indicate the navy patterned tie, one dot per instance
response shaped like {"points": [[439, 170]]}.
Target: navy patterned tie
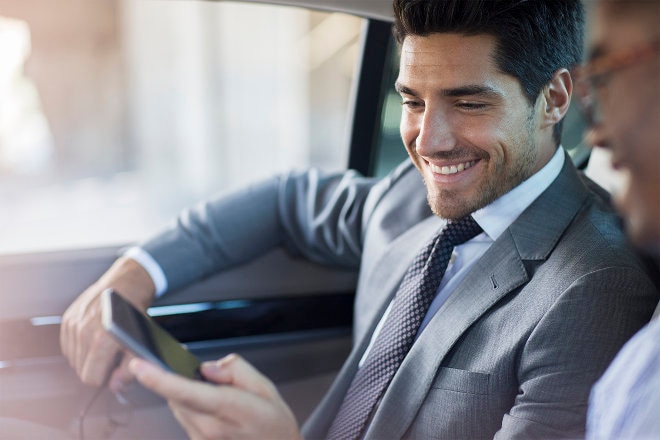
{"points": [[409, 306]]}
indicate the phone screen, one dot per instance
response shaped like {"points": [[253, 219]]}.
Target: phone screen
{"points": [[146, 339]]}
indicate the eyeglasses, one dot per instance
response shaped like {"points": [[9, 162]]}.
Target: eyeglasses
{"points": [[595, 75]]}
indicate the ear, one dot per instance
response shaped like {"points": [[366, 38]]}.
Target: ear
{"points": [[557, 98]]}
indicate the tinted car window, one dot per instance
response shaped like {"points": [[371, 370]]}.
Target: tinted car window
{"points": [[116, 114]]}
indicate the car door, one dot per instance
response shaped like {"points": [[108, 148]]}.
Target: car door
{"points": [[136, 110]]}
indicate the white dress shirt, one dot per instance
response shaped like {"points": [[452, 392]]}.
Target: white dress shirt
{"points": [[144, 259], [625, 402]]}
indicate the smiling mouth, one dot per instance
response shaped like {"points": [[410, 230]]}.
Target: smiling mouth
{"points": [[451, 169]]}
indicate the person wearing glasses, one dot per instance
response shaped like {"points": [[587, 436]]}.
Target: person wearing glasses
{"points": [[619, 90]]}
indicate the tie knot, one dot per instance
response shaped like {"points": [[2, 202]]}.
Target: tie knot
{"points": [[459, 231]]}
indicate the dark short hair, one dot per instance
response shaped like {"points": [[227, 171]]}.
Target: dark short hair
{"points": [[535, 38]]}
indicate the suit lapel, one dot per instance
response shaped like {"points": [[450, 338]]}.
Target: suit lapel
{"points": [[381, 284], [500, 270], [539, 228]]}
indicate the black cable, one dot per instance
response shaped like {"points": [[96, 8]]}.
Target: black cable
{"points": [[85, 410], [112, 422]]}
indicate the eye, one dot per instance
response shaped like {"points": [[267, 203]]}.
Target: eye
{"points": [[471, 105], [412, 104], [599, 80]]}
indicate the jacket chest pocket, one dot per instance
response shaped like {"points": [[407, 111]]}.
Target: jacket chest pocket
{"points": [[458, 406], [461, 381]]}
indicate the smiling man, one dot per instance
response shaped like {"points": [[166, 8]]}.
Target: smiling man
{"points": [[621, 90], [468, 127], [490, 272]]}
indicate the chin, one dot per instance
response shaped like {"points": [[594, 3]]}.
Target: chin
{"points": [[645, 235], [448, 209], [642, 221]]}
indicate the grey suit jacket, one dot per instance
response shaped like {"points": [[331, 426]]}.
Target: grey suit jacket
{"points": [[513, 351]]}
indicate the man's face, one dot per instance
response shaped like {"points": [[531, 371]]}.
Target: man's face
{"points": [[630, 115], [467, 127]]}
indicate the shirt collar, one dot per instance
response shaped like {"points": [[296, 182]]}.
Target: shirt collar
{"points": [[496, 217]]}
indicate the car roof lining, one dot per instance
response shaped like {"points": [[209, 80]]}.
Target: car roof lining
{"points": [[375, 9]]}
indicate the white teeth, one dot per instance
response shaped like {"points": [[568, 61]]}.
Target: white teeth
{"points": [[452, 169]]}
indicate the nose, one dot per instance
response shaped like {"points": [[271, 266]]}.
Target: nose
{"points": [[596, 136], [435, 133]]}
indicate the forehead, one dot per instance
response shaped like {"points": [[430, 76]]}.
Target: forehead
{"points": [[614, 25], [447, 51], [440, 62]]}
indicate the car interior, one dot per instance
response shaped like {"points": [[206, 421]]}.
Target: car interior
{"points": [[138, 102]]}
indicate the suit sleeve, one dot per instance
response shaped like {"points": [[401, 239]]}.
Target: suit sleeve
{"points": [[310, 214], [571, 347]]}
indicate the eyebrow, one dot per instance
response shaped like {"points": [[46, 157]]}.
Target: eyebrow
{"points": [[596, 52], [468, 90]]}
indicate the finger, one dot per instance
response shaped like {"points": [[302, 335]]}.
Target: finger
{"points": [[84, 318], [67, 330], [95, 349], [79, 340], [65, 336], [122, 375], [198, 425], [172, 387], [99, 359], [224, 401], [244, 415], [236, 371], [216, 410]]}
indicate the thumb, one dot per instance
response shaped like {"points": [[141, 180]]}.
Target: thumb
{"points": [[122, 375], [236, 371]]}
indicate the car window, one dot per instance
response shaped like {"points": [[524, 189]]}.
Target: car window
{"points": [[114, 115], [389, 151]]}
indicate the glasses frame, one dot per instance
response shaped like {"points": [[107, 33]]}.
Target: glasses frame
{"points": [[595, 74]]}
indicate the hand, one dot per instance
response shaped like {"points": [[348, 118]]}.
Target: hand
{"points": [[91, 351], [243, 404]]}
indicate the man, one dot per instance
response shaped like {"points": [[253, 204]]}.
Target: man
{"points": [[624, 46], [507, 339], [621, 92]]}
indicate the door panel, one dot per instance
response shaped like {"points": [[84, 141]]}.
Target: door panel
{"points": [[36, 383], [163, 142]]}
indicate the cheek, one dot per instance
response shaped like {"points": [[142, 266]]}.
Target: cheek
{"points": [[623, 123], [408, 131], [487, 137], [642, 215], [623, 110], [645, 178]]}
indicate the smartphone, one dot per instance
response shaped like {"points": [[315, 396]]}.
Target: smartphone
{"points": [[143, 337]]}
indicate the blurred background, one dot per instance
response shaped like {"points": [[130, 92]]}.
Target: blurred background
{"points": [[115, 114]]}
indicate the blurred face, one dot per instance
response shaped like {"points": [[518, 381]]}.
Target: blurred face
{"points": [[629, 101], [467, 127]]}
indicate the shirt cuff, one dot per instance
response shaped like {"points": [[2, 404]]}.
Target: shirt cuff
{"points": [[144, 259]]}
